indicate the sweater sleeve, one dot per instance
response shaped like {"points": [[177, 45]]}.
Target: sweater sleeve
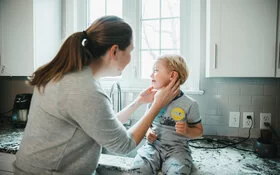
{"points": [[93, 114]]}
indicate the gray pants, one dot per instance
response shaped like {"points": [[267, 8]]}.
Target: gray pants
{"points": [[170, 159]]}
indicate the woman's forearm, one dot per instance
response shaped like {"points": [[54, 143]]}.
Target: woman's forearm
{"points": [[144, 97], [139, 130], [126, 113]]}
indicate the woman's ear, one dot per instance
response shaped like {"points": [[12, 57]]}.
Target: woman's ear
{"points": [[113, 50]]}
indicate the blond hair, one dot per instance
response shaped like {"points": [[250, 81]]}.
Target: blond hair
{"points": [[176, 63]]}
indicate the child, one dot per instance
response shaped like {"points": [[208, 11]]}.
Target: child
{"points": [[166, 148]]}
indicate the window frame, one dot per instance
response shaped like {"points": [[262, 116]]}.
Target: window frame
{"points": [[131, 79]]}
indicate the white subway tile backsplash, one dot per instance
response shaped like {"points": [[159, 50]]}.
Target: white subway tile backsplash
{"points": [[223, 99], [228, 89], [244, 132], [241, 100], [224, 109], [210, 86], [210, 130], [209, 105], [250, 90], [270, 90], [226, 131], [270, 108], [215, 120], [251, 108], [263, 100]]}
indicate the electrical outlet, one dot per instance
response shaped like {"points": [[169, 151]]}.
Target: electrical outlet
{"points": [[234, 119], [248, 122], [265, 117]]}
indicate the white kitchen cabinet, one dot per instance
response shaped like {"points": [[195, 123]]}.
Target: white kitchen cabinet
{"points": [[278, 45], [0, 33], [240, 38], [30, 35]]}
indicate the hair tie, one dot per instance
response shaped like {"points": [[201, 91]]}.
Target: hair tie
{"points": [[85, 34], [84, 38]]}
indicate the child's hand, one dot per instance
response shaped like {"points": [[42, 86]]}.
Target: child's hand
{"points": [[151, 135], [181, 127]]}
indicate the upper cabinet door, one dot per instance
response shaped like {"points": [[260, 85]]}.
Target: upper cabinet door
{"points": [[30, 35], [16, 37], [278, 46], [241, 37]]}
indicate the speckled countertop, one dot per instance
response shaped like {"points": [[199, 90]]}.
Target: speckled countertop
{"points": [[229, 160], [239, 160], [10, 139]]}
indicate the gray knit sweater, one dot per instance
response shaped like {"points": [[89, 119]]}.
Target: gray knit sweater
{"points": [[67, 126]]}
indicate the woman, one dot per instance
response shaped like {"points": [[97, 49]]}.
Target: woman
{"points": [[71, 117]]}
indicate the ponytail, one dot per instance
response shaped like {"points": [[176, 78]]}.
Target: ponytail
{"points": [[68, 59]]}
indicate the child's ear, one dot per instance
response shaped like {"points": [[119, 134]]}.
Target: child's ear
{"points": [[174, 74]]}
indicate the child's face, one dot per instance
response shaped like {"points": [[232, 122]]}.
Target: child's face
{"points": [[161, 75]]}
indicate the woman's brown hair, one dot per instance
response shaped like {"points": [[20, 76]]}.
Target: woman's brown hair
{"points": [[81, 48]]}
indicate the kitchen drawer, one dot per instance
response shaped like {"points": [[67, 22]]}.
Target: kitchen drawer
{"points": [[6, 163]]}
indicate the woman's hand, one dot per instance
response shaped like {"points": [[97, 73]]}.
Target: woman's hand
{"points": [[151, 135], [166, 94], [146, 96]]}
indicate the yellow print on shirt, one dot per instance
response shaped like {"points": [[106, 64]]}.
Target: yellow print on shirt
{"points": [[178, 114]]}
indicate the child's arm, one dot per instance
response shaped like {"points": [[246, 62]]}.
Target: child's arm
{"points": [[190, 131]]}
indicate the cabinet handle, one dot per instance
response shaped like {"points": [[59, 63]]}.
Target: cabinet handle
{"points": [[278, 64], [2, 69], [215, 56]]}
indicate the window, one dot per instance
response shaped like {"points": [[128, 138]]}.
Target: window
{"points": [[159, 26], [98, 8], [160, 31]]}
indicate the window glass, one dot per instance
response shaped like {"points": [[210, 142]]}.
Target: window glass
{"points": [[114, 7], [160, 30], [170, 34], [97, 9], [147, 62], [150, 34], [150, 9], [100, 8], [170, 8]]}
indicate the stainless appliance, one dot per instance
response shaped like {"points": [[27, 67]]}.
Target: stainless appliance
{"points": [[21, 110]]}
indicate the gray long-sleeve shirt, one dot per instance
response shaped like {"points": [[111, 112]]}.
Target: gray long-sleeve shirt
{"points": [[68, 124]]}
